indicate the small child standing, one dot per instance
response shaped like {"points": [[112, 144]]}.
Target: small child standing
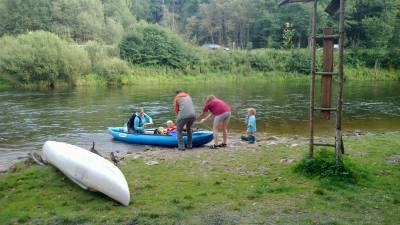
{"points": [[251, 125]]}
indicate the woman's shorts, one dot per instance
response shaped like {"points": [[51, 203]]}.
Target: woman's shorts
{"points": [[222, 117]]}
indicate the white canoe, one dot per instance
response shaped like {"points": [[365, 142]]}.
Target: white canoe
{"points": [[88, 170]]}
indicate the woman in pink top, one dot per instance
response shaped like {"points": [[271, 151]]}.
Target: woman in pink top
{"points": [[221, 113]]}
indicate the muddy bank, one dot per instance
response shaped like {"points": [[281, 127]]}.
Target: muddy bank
{"points": [[153, 154]]}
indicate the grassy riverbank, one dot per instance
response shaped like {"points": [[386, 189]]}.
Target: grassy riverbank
{"points": [[166, 75], [239, 185], [4, 85]]}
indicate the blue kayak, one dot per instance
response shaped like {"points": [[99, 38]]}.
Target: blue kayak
{"points": [[199, 138]]}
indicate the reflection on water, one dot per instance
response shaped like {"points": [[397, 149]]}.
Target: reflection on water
{"points": [[82, 115]]}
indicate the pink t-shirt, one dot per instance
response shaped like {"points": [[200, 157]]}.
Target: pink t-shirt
{"points": [[216, 107]]}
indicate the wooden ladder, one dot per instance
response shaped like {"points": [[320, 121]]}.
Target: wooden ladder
{"points": [[326, 77]]}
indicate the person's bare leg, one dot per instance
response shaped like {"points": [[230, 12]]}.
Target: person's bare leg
{"points": [[225, 124], [215, 132]]}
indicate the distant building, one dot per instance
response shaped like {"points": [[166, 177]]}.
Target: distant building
{"points": [[211, 46]]}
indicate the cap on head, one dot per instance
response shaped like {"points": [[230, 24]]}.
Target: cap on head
{"points": [[169, 121]]}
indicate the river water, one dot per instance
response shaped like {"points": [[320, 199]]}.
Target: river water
{"points": [[82, 115]]}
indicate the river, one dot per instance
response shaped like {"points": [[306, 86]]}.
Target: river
{"points": [[82, 115]]}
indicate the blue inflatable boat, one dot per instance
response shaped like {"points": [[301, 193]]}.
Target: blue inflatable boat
{"points": [[199, 138]]}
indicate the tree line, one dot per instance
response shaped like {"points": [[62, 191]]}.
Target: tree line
{"points": [[244, 24], [48, 41]]}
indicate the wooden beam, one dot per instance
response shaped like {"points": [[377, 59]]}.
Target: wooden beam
{"points": [[293, 1], [338, 137], [333, 7], [326, 80], [312, 77]]}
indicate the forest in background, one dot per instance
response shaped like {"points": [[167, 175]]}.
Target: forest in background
{"points": [[117, 34]]}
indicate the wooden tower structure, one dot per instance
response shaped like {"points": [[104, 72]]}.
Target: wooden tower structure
{"points": [[326, 74]]}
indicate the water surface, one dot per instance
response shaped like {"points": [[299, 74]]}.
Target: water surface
{"points": [[81, 115]]}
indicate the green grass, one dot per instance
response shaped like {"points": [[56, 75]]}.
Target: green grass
{"points": [[4, 84], [361, 73], [243, 186]]}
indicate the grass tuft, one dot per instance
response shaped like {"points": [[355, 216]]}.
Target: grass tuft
{"points": [[323, 165]]}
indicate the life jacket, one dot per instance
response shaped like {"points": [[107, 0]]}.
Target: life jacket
{"points": [[175, 103], [170, 129], [131, 121]]}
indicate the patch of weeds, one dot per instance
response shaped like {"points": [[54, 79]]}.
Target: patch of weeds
{"points": [[79, 219], [148, 186], [239, 206], [319, 192], [185, 205], [188, 197], [323, 166], [133, 222], [175, 201], [203, 193], [217, 218], [152, 218], [217, 183], [328, 223], [149, 215], [253, 195], [396, 199], [273, 189], [23, 219]]}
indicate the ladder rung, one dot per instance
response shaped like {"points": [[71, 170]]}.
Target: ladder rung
{"points": [[324, 109], [326, 73], [327, 36], [327, 145]]}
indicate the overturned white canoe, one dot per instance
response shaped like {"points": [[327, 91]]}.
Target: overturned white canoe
{"points": [[88, 170]]}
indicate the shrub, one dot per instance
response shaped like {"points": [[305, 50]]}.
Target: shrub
{"points": [[111, 69], [41, 57], [298, 61], [152, 45], [323, 165], [104, 64], [371, 57]]}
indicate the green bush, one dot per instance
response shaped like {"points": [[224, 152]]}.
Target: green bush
{"points": [[263, 60], [298, 61], [149, 44], [373, 57], [41, 57], [393, 58], [323, 165], [111, 69], [105, 64]]}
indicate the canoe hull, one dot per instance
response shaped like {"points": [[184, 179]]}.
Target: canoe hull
{"points": [[199, 138], [88, 170]]}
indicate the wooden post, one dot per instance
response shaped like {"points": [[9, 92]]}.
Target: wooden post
{"points": [[339, 142], [326, 79], [312, 78]]}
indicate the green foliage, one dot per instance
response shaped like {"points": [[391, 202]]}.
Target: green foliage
{"points": [[104, 64], [41, 57], [323, 165], [372, 58], [81, 20], [287, 36], [20, 16], [111, 69], [263, 60], [152, 45]]}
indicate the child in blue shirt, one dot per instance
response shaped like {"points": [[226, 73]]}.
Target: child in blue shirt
{"points": [[251, 125]]}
